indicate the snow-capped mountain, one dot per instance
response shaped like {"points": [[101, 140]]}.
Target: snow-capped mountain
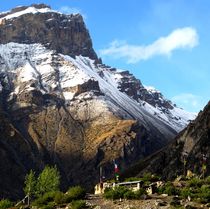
{"points": [[61, 105], [32, 67]]}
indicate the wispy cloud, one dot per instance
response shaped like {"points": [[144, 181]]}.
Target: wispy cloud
{"points": [[181, 38], [188, 101], [72, 10]]}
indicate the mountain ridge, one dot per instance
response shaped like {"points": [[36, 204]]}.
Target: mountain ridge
{"points": [[191, 146]]}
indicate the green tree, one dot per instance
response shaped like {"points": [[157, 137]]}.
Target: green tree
{"points": [[48, 180], [30, 185]]}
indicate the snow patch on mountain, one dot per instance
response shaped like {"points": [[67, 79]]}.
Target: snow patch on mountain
{"points": [[151, 89], [27, 73], [28, 10], [44, 70]]}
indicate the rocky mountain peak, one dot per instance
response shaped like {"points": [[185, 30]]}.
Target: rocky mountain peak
{"points": [[66, 34], [40, 6]]}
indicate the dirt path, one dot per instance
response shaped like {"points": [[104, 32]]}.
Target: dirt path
{"points": [[101, 203], [154, 202]]}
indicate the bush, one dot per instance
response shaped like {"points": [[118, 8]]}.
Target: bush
{"points": [[123, 192], [111, 194], [60, 198], [75, 193], [205, 194], [185, 192], [147, 177], [78, 204], [139, 193], [5, 203], [195, 182], [129, 195], [116, 193], [207, 180], [45, 199], [50, 205], [169, 189]]}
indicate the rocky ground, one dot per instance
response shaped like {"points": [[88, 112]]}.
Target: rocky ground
{"points": [[152, 202]]}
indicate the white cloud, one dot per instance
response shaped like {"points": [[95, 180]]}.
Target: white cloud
{"points": [[189, 101], [187, 98], [181, 38], [72, 10]]}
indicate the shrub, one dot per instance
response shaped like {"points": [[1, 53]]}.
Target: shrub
{"points": [[185, 192], [45, 199], [121, 190], [60, 198], [147, 177], [139, 193], [195, 182], [50, 205], [111, 194], [205, 194], [75, 193], [49, 196], [5, 203], [169, 189], [78, 204], [207, 180], [130, 195]]}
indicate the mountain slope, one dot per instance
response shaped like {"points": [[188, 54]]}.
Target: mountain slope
{"points": [[191, 145], [69, 109]]}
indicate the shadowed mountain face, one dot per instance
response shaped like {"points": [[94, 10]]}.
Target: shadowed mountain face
{"points": [[60, 105], [191, 145]]}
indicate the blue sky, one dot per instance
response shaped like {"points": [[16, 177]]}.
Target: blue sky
{"points": [[166, 44]]}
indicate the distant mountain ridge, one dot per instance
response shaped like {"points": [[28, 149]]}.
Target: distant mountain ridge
{"points": [[61, 105]]}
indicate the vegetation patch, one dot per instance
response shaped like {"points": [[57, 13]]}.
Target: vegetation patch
{"points": [[5, 203], [78, 204]]}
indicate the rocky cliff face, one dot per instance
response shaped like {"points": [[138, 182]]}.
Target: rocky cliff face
{"points": [[134, 88], [66, 34], [59, 105], [191, 145]]}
